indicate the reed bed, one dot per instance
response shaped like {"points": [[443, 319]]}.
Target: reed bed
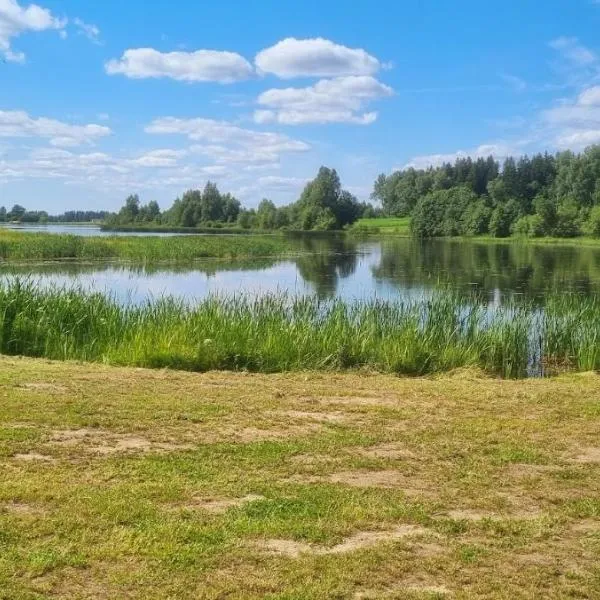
{"points": [[279, 333], [42, 246]]}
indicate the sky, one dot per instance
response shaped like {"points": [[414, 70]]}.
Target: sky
{"points": [[99, 100]]}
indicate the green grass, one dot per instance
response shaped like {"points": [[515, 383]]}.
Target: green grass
{"points": [[277, 333], [383, 225], [146, 485], [15, 246]]}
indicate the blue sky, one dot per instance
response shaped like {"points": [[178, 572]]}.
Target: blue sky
{"points": [[102, 99]]}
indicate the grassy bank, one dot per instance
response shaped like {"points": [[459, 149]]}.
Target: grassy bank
{"points": [[384, 225], [277, 333], [41, 246], [122, 483]]}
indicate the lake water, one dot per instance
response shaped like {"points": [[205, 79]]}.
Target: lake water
{"points": [[350, 269], [83, 230]]}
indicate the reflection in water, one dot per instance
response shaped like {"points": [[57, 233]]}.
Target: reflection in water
{"points": [[340, 266], [493, 269]]}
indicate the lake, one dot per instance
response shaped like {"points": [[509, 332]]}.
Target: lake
{"points": [[74, 229], [339, 266]]}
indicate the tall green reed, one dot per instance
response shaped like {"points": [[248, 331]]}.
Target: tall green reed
{"points": [[282, 333]]}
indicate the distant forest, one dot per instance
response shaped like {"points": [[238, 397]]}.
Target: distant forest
{"points": [[543, 195], [323, 205], [19, 214]]}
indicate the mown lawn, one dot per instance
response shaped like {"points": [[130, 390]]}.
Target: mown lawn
{"points": [[127, 483]]}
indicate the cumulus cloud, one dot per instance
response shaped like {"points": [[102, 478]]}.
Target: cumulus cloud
{"points": [[15, 124], [201, 65], [574, 51], [228, 143], [315, 57], [575, 124], [16, 19], [149, 170], [338, 100]]}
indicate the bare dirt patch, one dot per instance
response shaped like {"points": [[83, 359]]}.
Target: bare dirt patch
{"points": [[587, 526], [383, 479], [357, 541], [221, 505], [466, 514], [320, 417], [524, 470], [21, 508], [391, 450], [33, 456], [254, 434], [365, 539], [587, 455], [289, 548], [99, 441]]}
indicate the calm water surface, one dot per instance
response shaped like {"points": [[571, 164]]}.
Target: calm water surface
{"points": [[83, 230], [350, 269]]}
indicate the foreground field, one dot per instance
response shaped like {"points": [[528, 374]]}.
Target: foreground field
{"points": [[126, 483]]}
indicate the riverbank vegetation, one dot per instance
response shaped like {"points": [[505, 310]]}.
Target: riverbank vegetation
{"points": [[127, 483], [537, 196], [275, 333], [323, 205], [17, 246], [399, 226]]}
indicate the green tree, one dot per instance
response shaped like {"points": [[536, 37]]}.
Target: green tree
{"points": [[16, 213], [266, 214], [324, 205]]}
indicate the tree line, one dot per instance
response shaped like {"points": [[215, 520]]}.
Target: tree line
{"points": [[323, 205], [543, 195], [19, 214]]}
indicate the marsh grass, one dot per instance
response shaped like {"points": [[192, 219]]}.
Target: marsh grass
{"points": [[276, 333], [41, 246]]}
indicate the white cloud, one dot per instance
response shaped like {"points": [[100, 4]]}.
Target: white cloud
{"points": [[498, 151], [575, 125], [91, 32], [573, 51], [202, 65], [590, 96], [15, 124], [338, 100], [160, 158], [577, 140], [315, 57], [16, 19], [228, 143]]}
